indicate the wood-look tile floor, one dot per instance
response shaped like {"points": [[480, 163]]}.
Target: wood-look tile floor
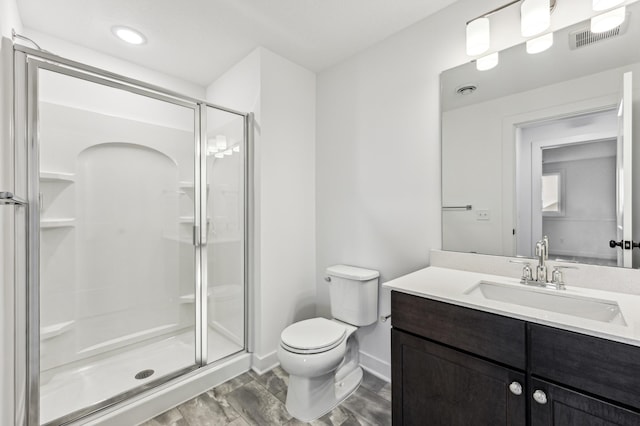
{"points": [[251, 399]]}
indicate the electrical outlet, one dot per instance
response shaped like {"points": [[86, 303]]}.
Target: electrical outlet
{"points": [[482, 215]]}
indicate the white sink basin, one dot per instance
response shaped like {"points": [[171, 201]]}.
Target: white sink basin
{"points": [[549, 300]]}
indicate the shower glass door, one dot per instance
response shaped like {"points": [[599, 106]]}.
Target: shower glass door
{"points": [[115, 192], [225, 235]]}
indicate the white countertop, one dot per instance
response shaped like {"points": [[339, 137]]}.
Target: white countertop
{"points": [[450, 285]]}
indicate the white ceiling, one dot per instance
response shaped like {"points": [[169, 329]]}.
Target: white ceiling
{"points": [[198, 40]]}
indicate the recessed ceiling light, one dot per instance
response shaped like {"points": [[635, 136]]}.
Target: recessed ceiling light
{"points": [[129, 35]]}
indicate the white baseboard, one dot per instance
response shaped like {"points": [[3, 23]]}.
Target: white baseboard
{"points": [[158, 400], [262, 364], [376, 366]]}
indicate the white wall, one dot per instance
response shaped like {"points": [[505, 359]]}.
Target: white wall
{"points": [[282, 96], [9, 19], [378, 152], [377, 160]]}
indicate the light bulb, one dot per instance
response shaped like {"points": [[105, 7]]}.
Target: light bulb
{"points": [[608, 21], [487, 62], [535, 17], [129, 35], [539, 44], [478, 36]]}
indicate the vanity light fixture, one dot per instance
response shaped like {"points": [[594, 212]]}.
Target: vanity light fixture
{"points": [[599, 5], [539, 44], [129, 35], [228, 152], [478, 36], [535, 18], [236, 148], [487, 62], [219, 155], [608, 20]]}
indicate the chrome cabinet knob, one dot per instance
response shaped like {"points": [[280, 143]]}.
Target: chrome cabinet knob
{"points": [[515, 388], [540, 397]]}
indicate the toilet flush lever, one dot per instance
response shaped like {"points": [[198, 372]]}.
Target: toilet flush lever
{"points": [[327, 279], [385, 318]]}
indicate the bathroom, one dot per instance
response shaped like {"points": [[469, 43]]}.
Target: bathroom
{"points": [[347, 153]]}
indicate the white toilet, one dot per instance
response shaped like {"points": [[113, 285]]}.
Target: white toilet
{"points": [[321, 355]]}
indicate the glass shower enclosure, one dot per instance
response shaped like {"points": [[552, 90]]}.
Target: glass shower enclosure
{"points": [[135, 269]]}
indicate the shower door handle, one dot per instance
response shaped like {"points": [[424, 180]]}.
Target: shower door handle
{"points": [[7, 198]]}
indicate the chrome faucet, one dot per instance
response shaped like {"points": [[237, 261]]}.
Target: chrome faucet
{"points": [[541, 278], [542, 252]]}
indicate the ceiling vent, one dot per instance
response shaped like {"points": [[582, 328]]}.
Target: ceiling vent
{"points": [[584, 37]]}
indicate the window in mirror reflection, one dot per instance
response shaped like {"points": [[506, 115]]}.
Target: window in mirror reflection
{"points": [[551, 193]]}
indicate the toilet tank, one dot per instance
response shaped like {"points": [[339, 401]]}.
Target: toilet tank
{"points": [[354, 294]]}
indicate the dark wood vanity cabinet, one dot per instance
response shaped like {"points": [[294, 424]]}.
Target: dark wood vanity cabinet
{"points": [[458, 366], [445, 387]]}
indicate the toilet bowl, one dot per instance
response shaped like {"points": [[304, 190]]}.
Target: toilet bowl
{"points": [[321, 355]]}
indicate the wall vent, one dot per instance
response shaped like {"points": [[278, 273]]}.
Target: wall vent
{"points": [[584, 37]]}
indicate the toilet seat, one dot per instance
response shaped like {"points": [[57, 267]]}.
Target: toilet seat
{"points": [[312, 336]]}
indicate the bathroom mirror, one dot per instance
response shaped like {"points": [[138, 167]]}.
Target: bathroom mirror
{"points": [[532, 148]]}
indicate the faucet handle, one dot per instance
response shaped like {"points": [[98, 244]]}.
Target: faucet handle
{"points": [[557, 277], [527, 272]]}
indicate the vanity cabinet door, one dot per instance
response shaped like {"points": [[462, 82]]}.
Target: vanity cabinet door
{"points": [[436, 385], [557, 406]]}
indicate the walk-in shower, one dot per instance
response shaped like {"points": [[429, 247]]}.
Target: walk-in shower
{"points": [[135, 226]]}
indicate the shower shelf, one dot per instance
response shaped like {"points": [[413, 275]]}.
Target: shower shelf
{"points": [[189, 220], [188, 188], [190, 298], [54, 330], [188, 185], [57, 177], [57, 223]]}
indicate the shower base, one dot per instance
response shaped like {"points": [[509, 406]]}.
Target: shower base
{"points": [[82, 385]]}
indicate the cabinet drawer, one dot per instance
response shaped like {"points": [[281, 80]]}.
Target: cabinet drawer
{"points": [[598, 366], [488, 335]]}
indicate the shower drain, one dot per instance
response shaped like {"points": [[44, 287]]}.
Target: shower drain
{"points": [[144, 374]]}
